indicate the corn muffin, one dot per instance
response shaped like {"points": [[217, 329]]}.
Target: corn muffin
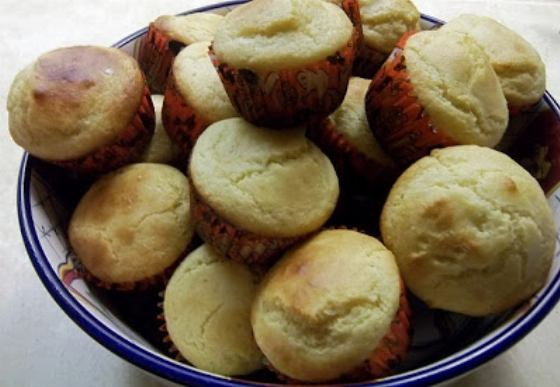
{"points": [[132, 226], [284, 62], [324, 308], [257, 190], [195, 97], [437, 90], [84, 108], [207, 306], [383, 24], [471, 230], [166, 37]]}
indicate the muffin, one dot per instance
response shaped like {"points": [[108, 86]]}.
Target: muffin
{"points": [[84, 108], [345, 136], [195, 97], [255, 191], [166, 36], [132, 226], [207, 306], [384, 22], [471, 230], [160, 149], [284, 62], [352, 10], [323, 310], [438, 89]]}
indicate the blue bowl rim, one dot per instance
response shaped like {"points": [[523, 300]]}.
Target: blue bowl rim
{"points": [[444, 370]]}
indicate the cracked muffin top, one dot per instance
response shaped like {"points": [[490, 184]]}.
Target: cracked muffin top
{"points": [[269, 182], [133, 223]]}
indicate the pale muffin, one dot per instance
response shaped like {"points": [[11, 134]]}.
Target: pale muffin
{"points": [[285, 62], [83, 107], [471, 230], [326, 305], [383, 24], [439, 90], [518, 65], [195, 97], [133, 224], [160, 148], [207, 306], [271, 184], [188, 29]]}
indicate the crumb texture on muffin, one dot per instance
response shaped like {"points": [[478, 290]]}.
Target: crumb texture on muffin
{"points": [[73, 100], [207, 313], [133, 223], [518, 65], [278, 34], [269, 182], [326, 304], [188, 29], [457, 86], [471, 230]]}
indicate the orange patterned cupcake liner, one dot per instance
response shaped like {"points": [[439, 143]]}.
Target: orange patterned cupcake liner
{"points": [[289, 97], [368, 62], [352, 9], [352, 166], [231, 242], [125, 149], [396, 117], [182, 124], [155, 56]]}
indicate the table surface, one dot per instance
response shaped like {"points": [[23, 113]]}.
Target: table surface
{"points": [[39, 344]]}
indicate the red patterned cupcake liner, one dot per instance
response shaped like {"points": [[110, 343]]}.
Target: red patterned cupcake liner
{"points": [[395, 115], [182, 124], [125, 149], [231, 242], [368, 62], [155, 56], [287, 98]]}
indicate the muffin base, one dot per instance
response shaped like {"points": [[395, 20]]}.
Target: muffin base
{"points": [[236, 244], [125, 149]]}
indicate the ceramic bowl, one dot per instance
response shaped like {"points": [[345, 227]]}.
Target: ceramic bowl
{"points": [[445, 345]]}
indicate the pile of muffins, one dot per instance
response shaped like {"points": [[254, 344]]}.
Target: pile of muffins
{"points": [[290, 174]]}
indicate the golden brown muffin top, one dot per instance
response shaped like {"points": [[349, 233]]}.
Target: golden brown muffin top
{"points": [[281, 34], [133, 223], [457, 86], [199, 84], [270, 182], [326, 304], [188, 29], [518, 65], [207, 307], [385, 21], [471, 230], [74, 100]]}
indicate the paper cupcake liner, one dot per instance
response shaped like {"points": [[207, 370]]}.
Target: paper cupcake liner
{"points": [[354, 169], [155, 55], [182, 124], [287, 98], [368, 62], [231, 242], [396, 117], [125, 149], [520, 118], [352, 9]]}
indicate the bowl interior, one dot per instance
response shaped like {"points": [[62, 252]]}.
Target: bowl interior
{"points": [[445, 345]]}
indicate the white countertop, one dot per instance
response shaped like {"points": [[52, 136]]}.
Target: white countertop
{"points": [[39, 344]]}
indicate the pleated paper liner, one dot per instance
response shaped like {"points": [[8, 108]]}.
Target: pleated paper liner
{"points": [[396, 117], [125, 149], [155, 56], [289, 97], [386, 357], [234, 243], [182, 124], [368, 61], [352, 9]]}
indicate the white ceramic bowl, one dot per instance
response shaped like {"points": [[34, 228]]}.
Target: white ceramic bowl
{"points": [[445, 345]]}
